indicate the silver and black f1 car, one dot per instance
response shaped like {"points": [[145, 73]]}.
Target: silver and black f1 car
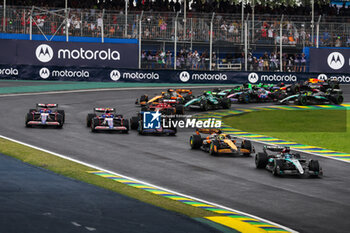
{"points": [[45, 115], [281, 161], [107, 119], [219, 143]]}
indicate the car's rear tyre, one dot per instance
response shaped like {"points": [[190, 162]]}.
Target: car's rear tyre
{"points": [[226, 103], [302, 100], [32, 110], [126, 124], [173, 133], [60, 121], [28, 118], [63, 115], [180, 109], [144, 109], [89, 118], [337, 99], [94, 123], [204, 105], [244, 98], [315, 167], [195, 141], [261, 160], [134, 122], [246, 144]]}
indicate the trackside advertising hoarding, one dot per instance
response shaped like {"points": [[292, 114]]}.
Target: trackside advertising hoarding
{"points": [[99, 74], [330, 60], [44, 53]]}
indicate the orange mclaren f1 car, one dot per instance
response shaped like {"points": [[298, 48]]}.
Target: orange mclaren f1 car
{"points": [[219, 143], [171, 96]]}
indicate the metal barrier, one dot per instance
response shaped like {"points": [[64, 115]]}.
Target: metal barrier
{"points": [[191, 31]]}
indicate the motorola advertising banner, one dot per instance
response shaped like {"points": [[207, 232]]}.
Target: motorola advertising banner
{"points": [[330, 60], [99, 74], [78, 54]]}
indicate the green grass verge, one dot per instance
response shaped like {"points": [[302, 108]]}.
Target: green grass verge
{"points": [[323, 128], [79, 172]]}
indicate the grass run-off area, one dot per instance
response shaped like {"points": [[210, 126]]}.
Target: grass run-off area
{"points": [[328, 129], [80, 172]]}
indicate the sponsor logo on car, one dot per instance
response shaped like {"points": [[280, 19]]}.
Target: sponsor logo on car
{"points": [[115, 75], [335, 60]]}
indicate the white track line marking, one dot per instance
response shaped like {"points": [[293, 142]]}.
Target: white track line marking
{"points": [[106, 89], [146, 183]]}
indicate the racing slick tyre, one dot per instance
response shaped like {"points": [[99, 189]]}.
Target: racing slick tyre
{"points": [[144, 109], [244, 98], [143, 98], [174, 133], [134, 122], [315, 167], [276, 170], [180, 109], [94, 123], [63, 114], [28, 118], [89, 118], [336, 99], [169, 111], [32, 110], [246, 144], [125, 123], [195, 141], [302, 100], [261, 160], [203, 105], [60, 121], [212, 146], [226, 103]]}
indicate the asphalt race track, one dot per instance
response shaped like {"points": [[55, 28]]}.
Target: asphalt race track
{"points": [[305, 205]]}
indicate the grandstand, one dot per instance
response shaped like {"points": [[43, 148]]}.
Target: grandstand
{"points": [[208, 36]]}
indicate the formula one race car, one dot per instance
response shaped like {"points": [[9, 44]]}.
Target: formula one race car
{"points": [[45, 114], [171, 96], [331, 96], [164, 107], [208, 101], [282, 161], [219, 143], [137, 123], [107, 119]]}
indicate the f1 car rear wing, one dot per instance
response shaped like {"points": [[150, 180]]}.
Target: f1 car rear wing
{"points": [[275, 148], [208, 130], [104, 109], [181, 91], [39, 105]]}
